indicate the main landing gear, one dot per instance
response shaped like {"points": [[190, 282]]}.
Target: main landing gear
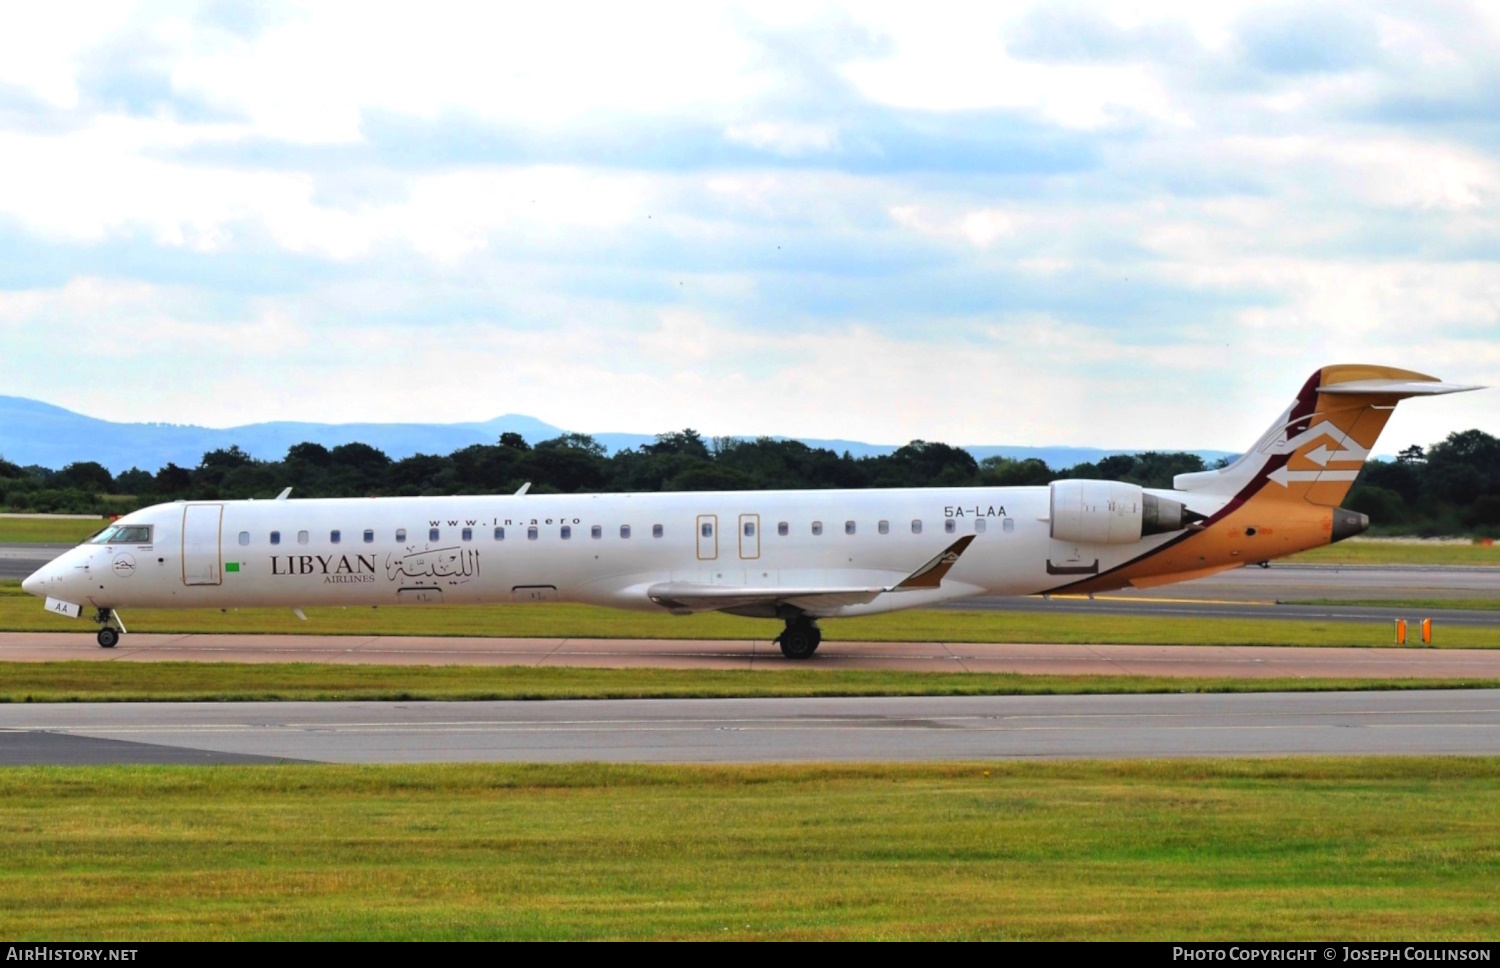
{"points": [[800, 638], [108, 637]]}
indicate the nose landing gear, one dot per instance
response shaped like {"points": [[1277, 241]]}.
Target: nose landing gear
{"points": [[800, 639], [108, 637]]}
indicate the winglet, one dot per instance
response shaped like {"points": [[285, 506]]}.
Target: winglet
{"points": [[931, 574]]}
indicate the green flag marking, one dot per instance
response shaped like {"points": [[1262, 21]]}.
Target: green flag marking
{"points": [[231, 566]]}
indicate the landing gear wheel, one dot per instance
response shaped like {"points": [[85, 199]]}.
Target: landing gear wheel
{"points": [[108, 638], [800, 640]]}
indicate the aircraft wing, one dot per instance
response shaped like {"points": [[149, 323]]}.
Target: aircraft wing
{"points": [[681, 596]]}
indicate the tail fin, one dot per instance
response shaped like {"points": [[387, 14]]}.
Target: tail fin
{"points": [[1282, 496], [1314, 451]]}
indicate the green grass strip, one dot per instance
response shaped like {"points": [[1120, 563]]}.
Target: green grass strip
{"points": [[1357, 849], [22, 682], [48, 530], [1375, 551]]}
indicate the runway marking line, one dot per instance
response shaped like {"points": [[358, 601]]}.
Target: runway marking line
{"points": [[1165, 601]]}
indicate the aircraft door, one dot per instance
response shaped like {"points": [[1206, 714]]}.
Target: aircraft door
{"points": [[201, 551], [749, 536], [708, 537]]}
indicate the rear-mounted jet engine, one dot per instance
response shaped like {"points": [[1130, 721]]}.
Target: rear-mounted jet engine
{"points": [[1111, 512]]}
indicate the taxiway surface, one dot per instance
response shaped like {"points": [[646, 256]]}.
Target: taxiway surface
{"points": [[763, 730], [18, 561], [1258, 662]]}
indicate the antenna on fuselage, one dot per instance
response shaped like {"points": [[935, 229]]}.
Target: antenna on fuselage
{"points": [[283, 494], [524, 488]]}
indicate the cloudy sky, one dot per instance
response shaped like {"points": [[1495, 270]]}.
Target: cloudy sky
{"points": [[1136, 225]]}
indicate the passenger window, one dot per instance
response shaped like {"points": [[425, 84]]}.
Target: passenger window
{"points": [[848, 527], [499, 534], [783, 529], [432, 534], [916, 525], [656, 531], [708, 530], [979, 525], [1008, 525], [749, 529], [468, 534], [596, 532], [369, 536], [817, 527], [334, 536], [950, 526], [883, 527], [302, 537], [275, 537], [244, 537], [531, 533], [566, 532], [400, 534], [624, 530]]}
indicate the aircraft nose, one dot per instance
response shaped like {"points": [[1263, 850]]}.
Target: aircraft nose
{"points": [[45, 580], [33, 585]]}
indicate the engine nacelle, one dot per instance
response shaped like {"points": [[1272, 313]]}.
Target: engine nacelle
{"points": [[1110, 512]]}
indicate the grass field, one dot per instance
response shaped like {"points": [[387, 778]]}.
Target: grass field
{"points": [[1400, 551], [47, 530], [1358, 849], [23, 682]]}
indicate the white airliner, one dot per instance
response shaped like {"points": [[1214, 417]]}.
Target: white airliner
{"points": [[796, 556]]}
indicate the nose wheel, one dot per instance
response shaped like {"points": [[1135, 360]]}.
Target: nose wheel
{"points": [[800, 639], [108, 636]]}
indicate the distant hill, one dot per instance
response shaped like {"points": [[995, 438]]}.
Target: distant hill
{"points": [[32, 432]]}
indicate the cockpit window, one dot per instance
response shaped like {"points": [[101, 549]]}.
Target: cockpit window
{"points": [[136, 534]]}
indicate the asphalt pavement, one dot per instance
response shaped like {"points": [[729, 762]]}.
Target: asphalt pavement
{"points": [[1200, 608], [764, 730], [1369, 655], [18, 561]]}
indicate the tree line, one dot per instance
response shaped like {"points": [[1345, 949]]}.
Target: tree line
{"points": [[1449, 488]]}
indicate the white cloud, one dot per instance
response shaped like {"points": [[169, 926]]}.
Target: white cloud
{"points": [[959, 62], [42, 45], [1023, 380], [110, 179], [979, 227], [312, 77], [1180, 242], [784, 138]]}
